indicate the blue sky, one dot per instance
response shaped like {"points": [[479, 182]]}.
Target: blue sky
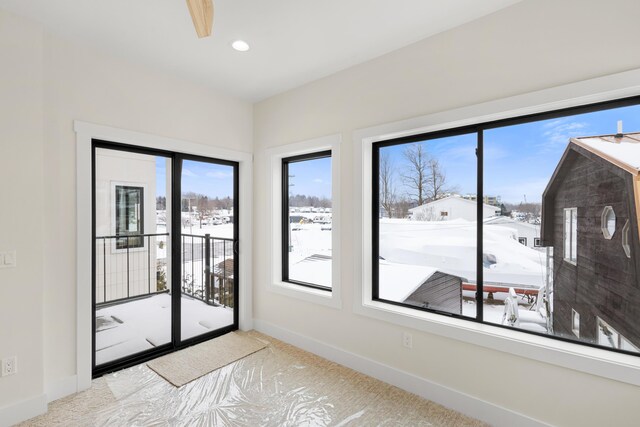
{"points": [[311, 177], [519, 159], [209, 179]]}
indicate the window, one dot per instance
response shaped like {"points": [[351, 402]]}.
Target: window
{"points": [[626, 246], [129, 216], [306, 218], [570, 234], [426, 262], [575, 322], [608, 222], [540, 168], [609, 337]]}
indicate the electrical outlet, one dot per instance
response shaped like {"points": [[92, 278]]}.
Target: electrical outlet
{"points": [[407, 340], [9, 366]]}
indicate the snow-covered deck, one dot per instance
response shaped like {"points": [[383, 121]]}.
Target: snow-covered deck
{"points": [[139, 325]]}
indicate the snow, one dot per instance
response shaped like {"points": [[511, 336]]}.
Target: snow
{"points": [[223, 231], [624, 150], [314, 269], [494, 311], [401, 280], [414, 250], [139, 325], [450, 247], [310, 258]]}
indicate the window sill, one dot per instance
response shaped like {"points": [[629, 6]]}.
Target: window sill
{"points": [[328, 298], [594, 361]]}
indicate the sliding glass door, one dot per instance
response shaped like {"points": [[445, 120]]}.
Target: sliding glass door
{"points": [[207, 239], [164, 254]]}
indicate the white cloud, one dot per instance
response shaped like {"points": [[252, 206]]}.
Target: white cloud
{"points": [[318, 180], [558, 132], [187, 172]]}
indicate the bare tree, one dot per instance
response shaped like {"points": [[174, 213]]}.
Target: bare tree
{"points": [[415, 178], [402, 206], [387, 190], [437, 181]]}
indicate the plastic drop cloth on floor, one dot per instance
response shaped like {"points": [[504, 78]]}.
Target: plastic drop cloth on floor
{"points": [[277, 386]]}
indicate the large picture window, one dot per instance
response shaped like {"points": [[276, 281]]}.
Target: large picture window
{"points": [[306, 220], [502, 223], [129, 216]]}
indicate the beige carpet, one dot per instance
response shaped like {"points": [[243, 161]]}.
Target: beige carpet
{"points": [[186, 365], [278, 386]]}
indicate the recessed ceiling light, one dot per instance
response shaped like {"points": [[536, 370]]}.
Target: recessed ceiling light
{"points": [[240, 45]]}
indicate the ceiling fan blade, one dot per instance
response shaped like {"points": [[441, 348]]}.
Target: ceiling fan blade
{"points": [[202, 15]]}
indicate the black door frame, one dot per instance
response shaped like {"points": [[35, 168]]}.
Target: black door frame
{"points": [[176, 270]]}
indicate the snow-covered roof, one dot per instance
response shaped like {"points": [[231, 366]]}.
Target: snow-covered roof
{"points": [[451, 248], [401, 280], [312, 269], [502, 220], [624, 152], [452, 198]]}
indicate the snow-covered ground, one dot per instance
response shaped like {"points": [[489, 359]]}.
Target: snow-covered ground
{"points": [[413, 250], [310, 257], [139, 325], [223, 231]]}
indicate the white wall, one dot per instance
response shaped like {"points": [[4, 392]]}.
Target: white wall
{"points": [[47, 82], [530, 46], [21, 208], [92, 87]]}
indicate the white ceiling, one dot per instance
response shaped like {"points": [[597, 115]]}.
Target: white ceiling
{"points": [[292, 42]]}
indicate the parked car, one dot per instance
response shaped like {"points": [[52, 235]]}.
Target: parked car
{"points": [[299, 219]]}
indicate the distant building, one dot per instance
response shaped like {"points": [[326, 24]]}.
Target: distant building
{"points": [[489, 200], [450, 208], [526, 234], [590, 217]]}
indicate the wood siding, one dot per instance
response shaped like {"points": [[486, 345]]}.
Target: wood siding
{"points": [[604, 281], [440, 292]]}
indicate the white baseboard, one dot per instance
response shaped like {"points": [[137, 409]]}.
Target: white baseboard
{"points": [[461, 402], [22, 411], [62, 387]]}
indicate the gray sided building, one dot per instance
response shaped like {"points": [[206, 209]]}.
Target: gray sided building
{"points": [[590, 218]]}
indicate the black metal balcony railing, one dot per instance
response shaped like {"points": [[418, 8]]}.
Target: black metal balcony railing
{"points": [[207, 269], [135, 266]]}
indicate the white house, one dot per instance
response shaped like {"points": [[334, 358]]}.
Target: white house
{"points": [[525, 233], [452, 207]]}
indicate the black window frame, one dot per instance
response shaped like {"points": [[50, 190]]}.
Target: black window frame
{"points": [[285, 214], [129, 240], [177, 343], [478, 129]]}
